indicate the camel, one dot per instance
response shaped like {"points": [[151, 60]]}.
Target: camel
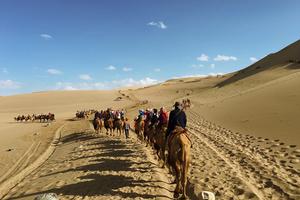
{"points": [[159, 142], [98, 125], [147, 131], [108, 123], [150, 134], [139, 127], [179, 159], [119, 125]]}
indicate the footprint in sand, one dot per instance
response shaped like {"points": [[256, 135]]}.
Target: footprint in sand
{"points": [[295, 161]]}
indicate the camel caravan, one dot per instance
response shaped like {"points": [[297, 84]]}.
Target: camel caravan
{"points": [[163, 131], [111, 120], [34, 117], [85, 114]]}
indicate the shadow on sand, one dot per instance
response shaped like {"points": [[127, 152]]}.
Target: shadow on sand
{"points": [[94, 184]]}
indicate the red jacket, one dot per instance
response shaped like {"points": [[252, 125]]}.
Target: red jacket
{"points": [[163, 118]]}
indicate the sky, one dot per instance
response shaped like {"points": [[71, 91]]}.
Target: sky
{"points": [[106, 44]]}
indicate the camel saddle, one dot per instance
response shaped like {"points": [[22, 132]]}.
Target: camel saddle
{"points": [[177, 131]]}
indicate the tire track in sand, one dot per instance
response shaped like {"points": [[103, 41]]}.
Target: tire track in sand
{"points": [[11, 182]]}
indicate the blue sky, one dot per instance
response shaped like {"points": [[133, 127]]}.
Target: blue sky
{"points": [[103, 44]]}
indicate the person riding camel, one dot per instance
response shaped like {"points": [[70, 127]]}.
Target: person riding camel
{"points": [[148, 114], [163, 118], [154, 118], [177, 123], [177, 119], [122, 114], [117, 115]]}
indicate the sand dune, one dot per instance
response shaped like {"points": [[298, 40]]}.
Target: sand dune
{"points": [[244, 127]]}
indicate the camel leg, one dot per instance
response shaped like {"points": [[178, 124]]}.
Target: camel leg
{"points": [[163, 155], [177, 189], [185, 167]]}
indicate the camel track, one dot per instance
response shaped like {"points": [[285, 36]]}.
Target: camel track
{"points": [[92, 166], [251, 171]]}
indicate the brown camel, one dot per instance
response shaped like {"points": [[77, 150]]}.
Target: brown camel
{"points": [[148, 132], [98, 125], [159, 142], [139, 127], [109, 125], [179, 159], [118, 124]]}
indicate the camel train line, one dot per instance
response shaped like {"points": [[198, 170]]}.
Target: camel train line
{"points": [[111, 120], [163, 131], [85, 114], [159, 131], [34, 117]]}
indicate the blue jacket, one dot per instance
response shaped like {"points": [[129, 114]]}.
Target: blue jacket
{"points": [[177, 118]]}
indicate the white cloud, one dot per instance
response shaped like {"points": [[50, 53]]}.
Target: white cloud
{"points": [[69, 87], [129, 82], [158, 24], [253, 59], [157, 70], [212, 65], [203, 57], [54, 71], [127, 69], [46, 36], [111, 68], [9, 84], [197, 66], [79, 86], [225, 58], [199, 75], [85, 77]]}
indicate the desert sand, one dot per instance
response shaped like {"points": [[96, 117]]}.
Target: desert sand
{"points": [[244, 127]]}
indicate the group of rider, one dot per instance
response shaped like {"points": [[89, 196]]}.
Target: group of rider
{"points": [[34, 117], [110, 113], [114, 115], [160, 118]]}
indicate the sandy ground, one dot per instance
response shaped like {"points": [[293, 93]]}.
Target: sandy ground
{"points": [[89, 166], [22, 143]]}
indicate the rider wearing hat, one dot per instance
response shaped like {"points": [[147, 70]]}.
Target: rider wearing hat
{"points": [[177, 118]]}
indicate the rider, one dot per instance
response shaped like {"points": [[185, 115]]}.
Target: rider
{"points": [[148, 115], [177, 118], [163, 118], [154, 117], [122, 114], [118, 115]]}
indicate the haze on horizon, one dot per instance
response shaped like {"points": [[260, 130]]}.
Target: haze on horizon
{"points": [[70, 45]]}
